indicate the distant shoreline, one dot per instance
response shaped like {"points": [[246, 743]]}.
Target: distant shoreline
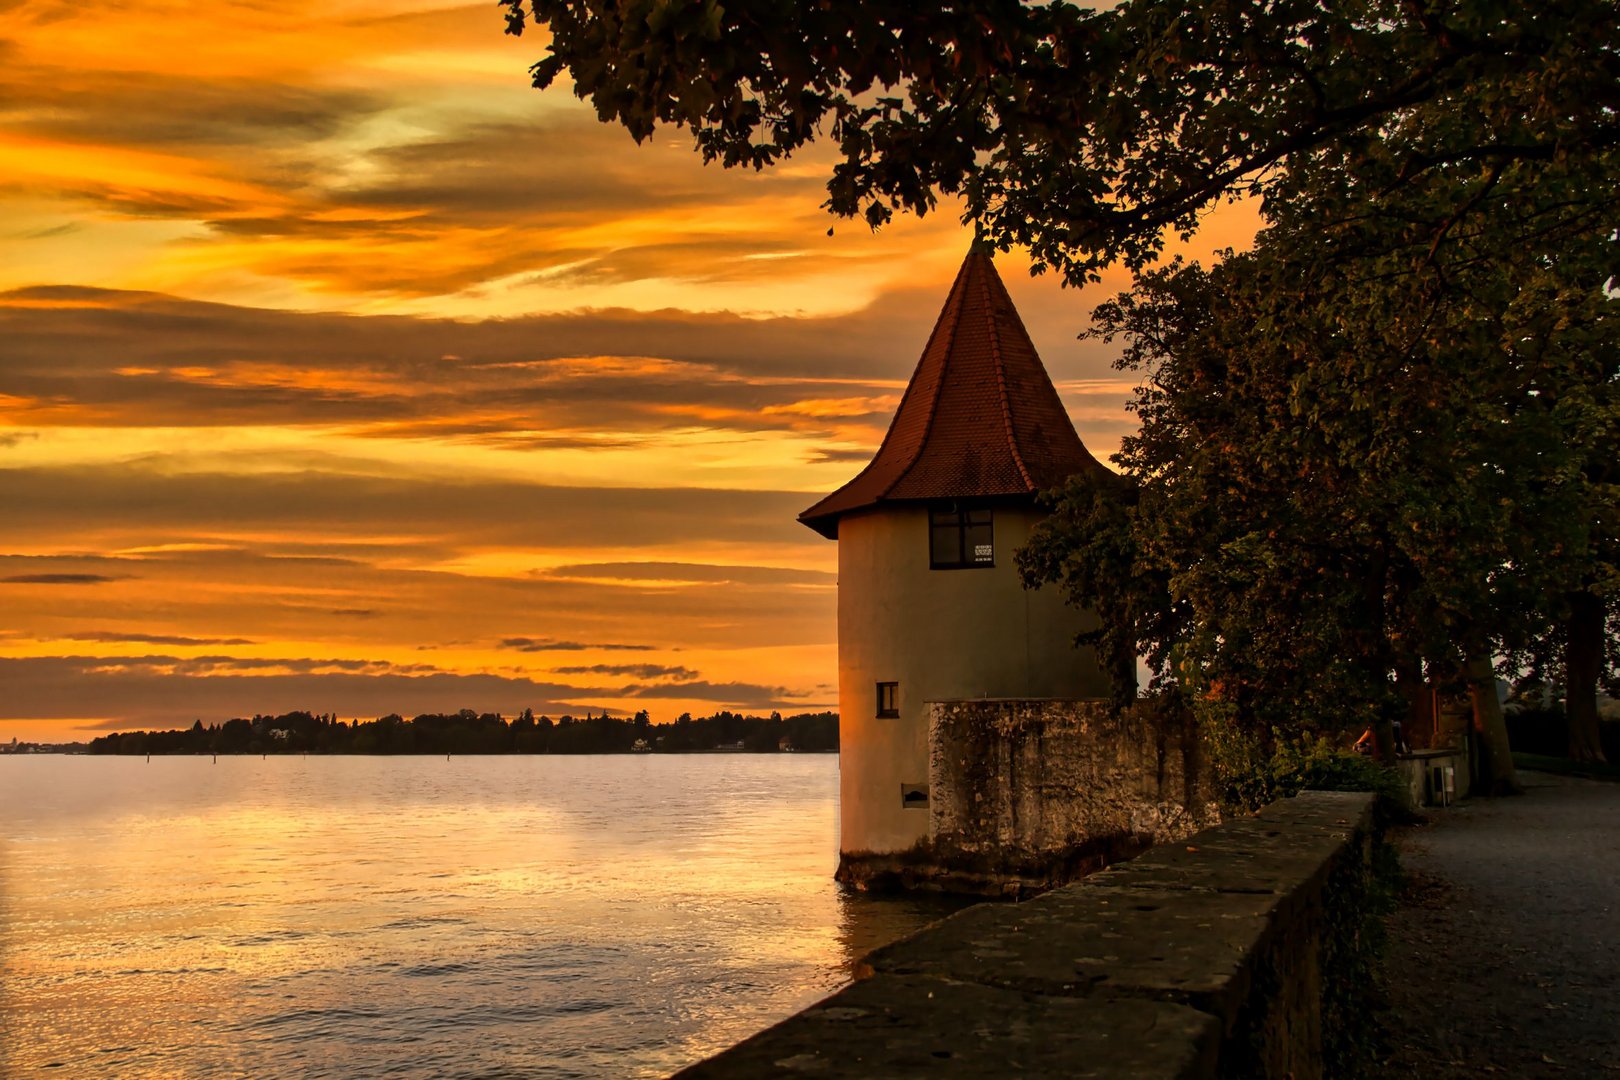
{"points": [[467, 732]]}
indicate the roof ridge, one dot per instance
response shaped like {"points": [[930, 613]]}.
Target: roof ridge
{"points": [[1001, 375], [949, 346]]}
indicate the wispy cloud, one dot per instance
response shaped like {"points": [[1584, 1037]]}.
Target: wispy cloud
{"points": [[540, 645], [113, 637], [691, 572], [56, 579], [524, 382], [157, 693], [748, 695], [638, 671]]}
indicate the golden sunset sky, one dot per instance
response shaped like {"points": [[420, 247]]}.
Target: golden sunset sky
{"points": [[341, 370]]}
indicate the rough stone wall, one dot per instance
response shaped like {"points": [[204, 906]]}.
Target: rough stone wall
{"points": [[1027, 780], [1233, 955]]}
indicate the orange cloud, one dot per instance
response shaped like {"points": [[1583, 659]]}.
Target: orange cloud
{"points": [[338, 361]]}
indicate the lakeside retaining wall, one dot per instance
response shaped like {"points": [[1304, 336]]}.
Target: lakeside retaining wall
{"points": [[1038, 777], [1239, 952], [1027, 793]]}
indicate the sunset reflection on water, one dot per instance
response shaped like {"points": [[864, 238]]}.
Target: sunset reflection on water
{"points": [[533, 916]]}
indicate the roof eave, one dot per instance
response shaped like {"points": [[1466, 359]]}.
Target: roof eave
{"points": [[826, 522]]}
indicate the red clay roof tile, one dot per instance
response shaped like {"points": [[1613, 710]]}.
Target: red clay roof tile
{"points": [[979, 419]]}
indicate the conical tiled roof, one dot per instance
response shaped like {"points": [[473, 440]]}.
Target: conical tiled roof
{"points": [[979, 419]]}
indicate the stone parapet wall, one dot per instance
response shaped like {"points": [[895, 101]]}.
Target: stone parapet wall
{"points": [[1232, 954]]}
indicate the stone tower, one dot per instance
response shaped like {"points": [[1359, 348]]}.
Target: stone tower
{"points": [[930, 605]]}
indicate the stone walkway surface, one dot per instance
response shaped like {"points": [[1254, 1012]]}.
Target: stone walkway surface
{"points": [[1505, 950]]}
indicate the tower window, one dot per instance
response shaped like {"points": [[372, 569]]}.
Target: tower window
{"points": [[888, 699], [960, 539], [914, 796]]}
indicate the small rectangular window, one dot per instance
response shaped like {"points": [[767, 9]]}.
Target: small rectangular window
{"points": [[960, 539], [888, 699], [914, 796]]}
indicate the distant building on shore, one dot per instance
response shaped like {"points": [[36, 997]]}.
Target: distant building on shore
{"points": [[930, 604]]}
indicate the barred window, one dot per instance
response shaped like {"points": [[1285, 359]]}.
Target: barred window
{"points": [[960, 539], [888, 699]]}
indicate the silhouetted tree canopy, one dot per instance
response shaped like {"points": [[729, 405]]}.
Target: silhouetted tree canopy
{"points": [[1363, 451], [1087, 135], [471, 732]]}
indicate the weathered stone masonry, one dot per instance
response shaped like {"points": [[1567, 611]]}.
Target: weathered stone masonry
{"points": [[1045, 776], [1025, 794], [1221, 956]]}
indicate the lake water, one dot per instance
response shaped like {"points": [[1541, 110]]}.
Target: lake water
{"points": [[342, 916]]}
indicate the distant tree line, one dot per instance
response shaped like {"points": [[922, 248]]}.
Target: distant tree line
{"points": [[470, 732]]}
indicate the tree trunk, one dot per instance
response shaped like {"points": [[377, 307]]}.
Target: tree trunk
{"points": [[1419, 723], [1374, 588], [1384, 738], [1583, 659], [1496, 758]]}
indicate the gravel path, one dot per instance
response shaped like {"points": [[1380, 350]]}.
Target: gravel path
{"points": [[1505, 952]]}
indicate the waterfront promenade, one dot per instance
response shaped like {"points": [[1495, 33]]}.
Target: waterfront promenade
{"points": [[1505, 952]]}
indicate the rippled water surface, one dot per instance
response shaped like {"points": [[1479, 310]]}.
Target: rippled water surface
{"points": [[342, 916]]}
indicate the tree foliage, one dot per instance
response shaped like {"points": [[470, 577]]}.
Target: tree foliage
{"points": [[1085, 135], [1362, 451]]}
